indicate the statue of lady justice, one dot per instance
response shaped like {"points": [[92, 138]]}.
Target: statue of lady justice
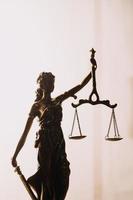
{"points": [[51, 180]]}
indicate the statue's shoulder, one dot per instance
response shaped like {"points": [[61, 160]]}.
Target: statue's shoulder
{"points": [[60, 98], [34, 111]]}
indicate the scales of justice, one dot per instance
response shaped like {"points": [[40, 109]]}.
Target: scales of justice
{"points": [[94, 99]]}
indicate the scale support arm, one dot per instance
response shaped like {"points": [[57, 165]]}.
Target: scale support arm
{"points": [[104, 102]]}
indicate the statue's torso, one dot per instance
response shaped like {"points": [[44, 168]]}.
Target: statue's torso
{"points": [[50, 114]]}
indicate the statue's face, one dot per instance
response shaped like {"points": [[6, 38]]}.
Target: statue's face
{"points": [[41, 83], [48, 86]]}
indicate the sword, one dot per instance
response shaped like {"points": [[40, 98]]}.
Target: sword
{"points": [[27, 186]]}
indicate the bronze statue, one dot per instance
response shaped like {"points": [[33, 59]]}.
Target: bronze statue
{"points": [[51, 180]]}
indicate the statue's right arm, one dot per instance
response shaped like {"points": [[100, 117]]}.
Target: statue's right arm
{"points": [[22, 140], [24, 135]]}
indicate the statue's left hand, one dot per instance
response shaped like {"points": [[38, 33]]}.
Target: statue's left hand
{"points": [[14, 162]]}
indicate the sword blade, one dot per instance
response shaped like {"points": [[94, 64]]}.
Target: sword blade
{"points": [[25, 183]]}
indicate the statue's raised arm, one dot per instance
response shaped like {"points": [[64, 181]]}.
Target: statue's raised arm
{"points": [[74, 90]]}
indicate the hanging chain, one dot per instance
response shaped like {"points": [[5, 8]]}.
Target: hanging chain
{"points": [[76, 116], [110, 124], [114, 123], [73, 123], [78, 122]]}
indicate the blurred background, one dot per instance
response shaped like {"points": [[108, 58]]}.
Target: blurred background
{"points": [[56, 36]]}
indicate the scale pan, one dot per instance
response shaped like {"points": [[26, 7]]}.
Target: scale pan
{"points": [[77, 137], [113, 139]]}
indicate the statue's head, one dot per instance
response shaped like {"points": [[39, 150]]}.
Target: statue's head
{"points": [[46, 81]]}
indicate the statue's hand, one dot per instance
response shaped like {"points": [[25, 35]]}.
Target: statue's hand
{"points": [[14, 162]]}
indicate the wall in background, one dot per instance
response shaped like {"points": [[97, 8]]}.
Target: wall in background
{"points": [[56, 36]]}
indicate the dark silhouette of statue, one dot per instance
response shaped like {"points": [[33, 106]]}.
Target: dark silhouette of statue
{"points": [[51, 180]]}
